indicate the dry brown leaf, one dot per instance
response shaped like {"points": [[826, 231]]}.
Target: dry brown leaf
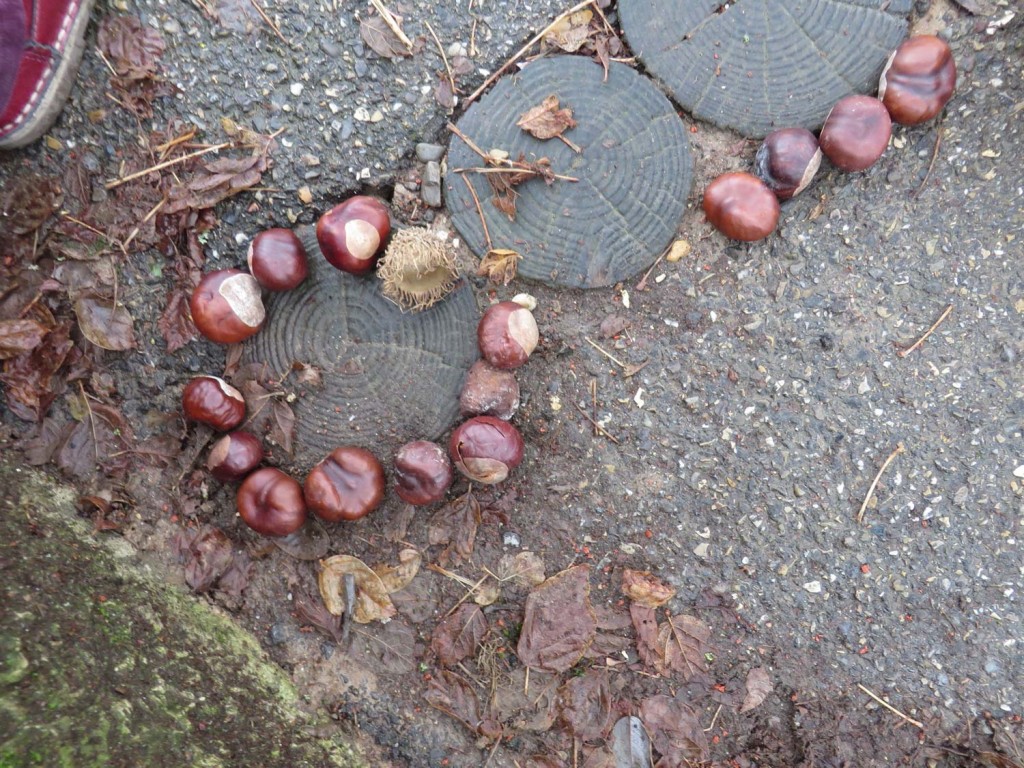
{"points": [[459, 635], [758, 686], [105, 325], [455, 525], [396, 577], [454, 695], [499, 265], [570, 33], [547, 120], [675, 731], [681, 646], [372, 601], [645, 589], [523, 568], [559, 623], [19, 336], [381, 39], [586, 705]]}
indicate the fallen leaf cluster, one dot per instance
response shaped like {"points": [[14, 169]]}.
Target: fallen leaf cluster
{"points": [[133, 51], [587, 33]]}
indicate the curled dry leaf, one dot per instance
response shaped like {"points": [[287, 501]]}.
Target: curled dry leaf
{"points": [[499, 265], [559, 623], [675, 731], [570, 33], [645, 589], [19, 336], [396, 577], [758, 686], [523, 568], [546, 120], [372, 601]]}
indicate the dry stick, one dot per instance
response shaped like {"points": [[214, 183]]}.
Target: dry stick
{"points": [[479, 210], [106, 61], [92, 229], [597, 7], [522, 51], [187, 136], [874, 483], [271, 24], [166, 164], [148, 216], [92, 422], [931, 163], [891, 708], [642, 285], [392, 23], [593, 400], [609, 355], [597, 426], [516, 168], [929, 332], [440, 49]]}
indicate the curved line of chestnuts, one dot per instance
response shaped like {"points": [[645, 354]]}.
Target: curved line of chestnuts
{"points": [[349, 483], [916, 83]]}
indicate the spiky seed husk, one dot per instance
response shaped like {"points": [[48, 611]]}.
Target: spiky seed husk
{"points": [[418, 269]]}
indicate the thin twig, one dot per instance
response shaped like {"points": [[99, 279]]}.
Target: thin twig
{"points": [[597, 7], [470, 143], [271, 24], [929, 332], [515, 168], [571, 144], [106, 61], [609, 355], [593, 402], [167, 163], [444, 58], [92, 229], [596, 424], [871, 489], [891, 708], [92, 422], [148, 216], [713, 720], [187, 136], [479, 210], [642, 285], [522, 51], [931, 163], [392, 22]]}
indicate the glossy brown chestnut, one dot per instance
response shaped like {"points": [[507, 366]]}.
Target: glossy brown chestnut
{"points": [[507, 335], [486, 449], [270, 502], [856, 132], [234, 456], [489, 391], [347, 485], [423, 472], [741, 207], [352, 234], [212, 401], [787, 160], [918, 79], [277, 259], [227, 307]]}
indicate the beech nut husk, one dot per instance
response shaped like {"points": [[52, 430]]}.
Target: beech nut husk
{"points": [[741, 207], [227, 307], [787, 160], [918, 80], [347, 485], [423, 472], [507, 335], [486, 449], [856, 133]]}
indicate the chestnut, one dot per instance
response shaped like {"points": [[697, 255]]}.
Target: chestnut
{"points": [[347, 485], [423, 472], [856, 132], [352, 234], [787, 160], [741, 207], [270, 502], [212, 401], [918, 79], [507, 334], [226, 306], [486, 449], [234, 456], [277, 259], [489, 391]]}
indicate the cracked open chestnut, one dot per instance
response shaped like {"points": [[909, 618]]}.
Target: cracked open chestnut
{"points": [[227, 306], [423, 472], [270, 502], [486, 449], [212, 401], [352, 234], [787, 160], [234, 456], [741, 207], [277, 259], [856, 133], [918, 79], [507, 334], [347, 485], [489, 391]]}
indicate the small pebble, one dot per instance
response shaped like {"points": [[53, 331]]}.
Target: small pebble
{"points": [[426, 153], [510, 539]]}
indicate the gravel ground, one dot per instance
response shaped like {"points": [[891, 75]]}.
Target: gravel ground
{"points": [[772, 394]]}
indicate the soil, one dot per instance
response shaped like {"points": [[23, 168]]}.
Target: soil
{"points": [[747, 397]]}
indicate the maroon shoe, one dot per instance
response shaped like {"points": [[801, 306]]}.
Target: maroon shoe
{"points": [[44, 70]]}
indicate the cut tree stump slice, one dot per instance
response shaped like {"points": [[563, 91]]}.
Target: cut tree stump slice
{"points": [[758, 65], [387, 376], [634, 171]]}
